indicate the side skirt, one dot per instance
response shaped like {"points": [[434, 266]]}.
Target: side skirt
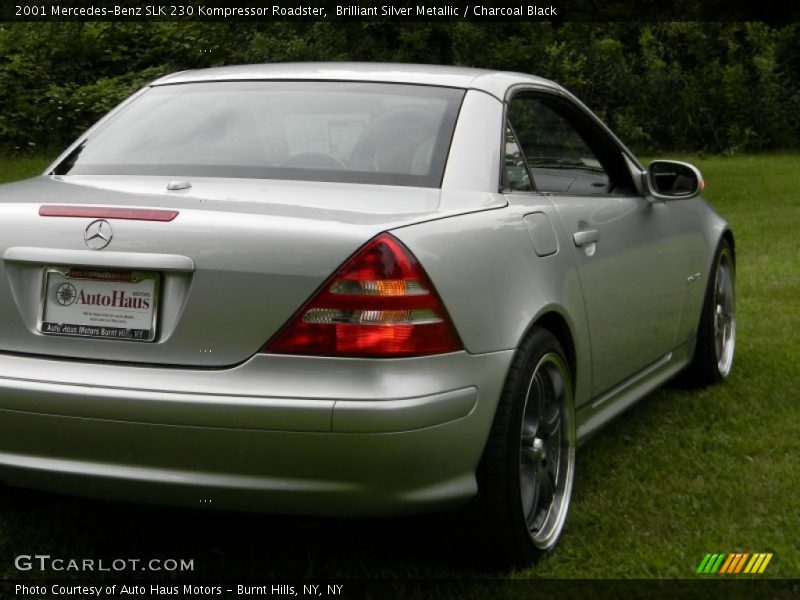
{"points": [[591, 417]]}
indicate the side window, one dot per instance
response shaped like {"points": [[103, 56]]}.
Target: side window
{"points": [[517, 177], [565, 151]]}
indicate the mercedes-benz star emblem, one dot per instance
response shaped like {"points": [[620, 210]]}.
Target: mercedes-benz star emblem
{"points": [[98, 234], [65, 294]]}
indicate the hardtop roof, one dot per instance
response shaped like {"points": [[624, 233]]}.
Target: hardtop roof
{"points": [[495, 83]]}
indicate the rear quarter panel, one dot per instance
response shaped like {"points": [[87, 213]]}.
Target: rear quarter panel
{"points": [[493, 283]]}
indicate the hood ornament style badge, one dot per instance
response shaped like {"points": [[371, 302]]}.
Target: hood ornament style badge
{"points": [[98, 234]]}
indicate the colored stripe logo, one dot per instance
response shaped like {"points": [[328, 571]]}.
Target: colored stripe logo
{"points": [[734, 563]]}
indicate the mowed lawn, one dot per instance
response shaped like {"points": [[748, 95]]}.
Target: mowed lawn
{"points": [[681, 474]]}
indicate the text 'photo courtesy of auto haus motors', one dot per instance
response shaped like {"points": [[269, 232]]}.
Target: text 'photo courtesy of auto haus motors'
{"points": [[349, 290]]}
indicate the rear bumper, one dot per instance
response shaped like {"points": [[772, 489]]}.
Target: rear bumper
{"points": [[278, 434]]}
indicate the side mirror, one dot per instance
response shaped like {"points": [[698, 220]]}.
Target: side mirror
{"points": [[673, 180]]}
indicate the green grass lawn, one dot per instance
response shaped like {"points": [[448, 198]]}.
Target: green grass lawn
{"points": [[680, 474]]}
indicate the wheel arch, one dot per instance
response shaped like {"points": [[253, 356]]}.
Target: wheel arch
{"points": [[556, 323], [704, 368], [727, 235]]}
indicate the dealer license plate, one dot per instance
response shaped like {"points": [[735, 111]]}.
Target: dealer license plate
{"points": [[100, 303]]}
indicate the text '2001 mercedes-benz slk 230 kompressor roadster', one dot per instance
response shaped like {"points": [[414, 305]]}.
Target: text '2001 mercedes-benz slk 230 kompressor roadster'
{"points": [[349, 290]]}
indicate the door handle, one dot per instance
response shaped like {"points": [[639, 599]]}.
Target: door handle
{"points": [[586, 237]]}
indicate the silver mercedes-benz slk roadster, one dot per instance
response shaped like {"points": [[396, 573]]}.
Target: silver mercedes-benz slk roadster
{"points": [[349, 290]]}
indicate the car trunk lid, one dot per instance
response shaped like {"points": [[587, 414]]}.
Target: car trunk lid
{"points": [[238, 259]]}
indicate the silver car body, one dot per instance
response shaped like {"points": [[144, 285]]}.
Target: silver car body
{"points": [[201, 418]]}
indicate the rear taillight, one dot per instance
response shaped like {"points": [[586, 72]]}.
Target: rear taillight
{"points": [[379, 304]]}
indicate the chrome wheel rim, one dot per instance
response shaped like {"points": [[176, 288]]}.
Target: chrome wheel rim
{"points": [[547, 451], [724, 314]]}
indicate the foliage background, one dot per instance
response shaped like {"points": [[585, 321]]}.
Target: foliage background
{"points": [[692, 86]]}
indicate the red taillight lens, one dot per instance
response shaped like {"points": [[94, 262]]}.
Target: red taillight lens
{"points": [[379, 304]]}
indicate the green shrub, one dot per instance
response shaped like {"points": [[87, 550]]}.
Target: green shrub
{"points": [[715, 87]]}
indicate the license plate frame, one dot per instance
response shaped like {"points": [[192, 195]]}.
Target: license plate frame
{"points": [[95, 320]]}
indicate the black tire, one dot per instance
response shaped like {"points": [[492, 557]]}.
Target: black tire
{"points": [[526, 472], [716, 333]]}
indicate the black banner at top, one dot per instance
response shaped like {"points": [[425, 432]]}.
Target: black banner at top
{"points": [[404, 10]]}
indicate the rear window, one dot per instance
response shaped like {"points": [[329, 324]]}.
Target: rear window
{"points": [[375, 133]]}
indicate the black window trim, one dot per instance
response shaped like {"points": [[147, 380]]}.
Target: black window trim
{"points": [[505, 186]]}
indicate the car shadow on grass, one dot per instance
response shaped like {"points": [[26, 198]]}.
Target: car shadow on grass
{"points": [[234, 545]]}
